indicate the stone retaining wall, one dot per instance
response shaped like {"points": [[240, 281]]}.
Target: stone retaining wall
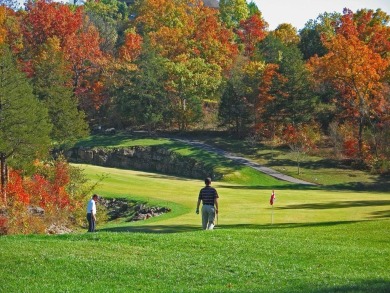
{"points": [[144, 158]]}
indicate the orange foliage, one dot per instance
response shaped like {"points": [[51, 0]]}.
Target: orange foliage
{"points": [[131, 49], [3, 31], [357, 71], [187, 27]]}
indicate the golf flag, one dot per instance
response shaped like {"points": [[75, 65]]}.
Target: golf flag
{"points": [[272, 199]]}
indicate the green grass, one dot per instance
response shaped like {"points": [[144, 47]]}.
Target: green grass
{"points": [[232, 172], [338, 257], [321, 240], [327, 172], [324, 170]]}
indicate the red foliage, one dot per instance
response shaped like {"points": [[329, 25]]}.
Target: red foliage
{"points": [[41, 190], [350, 147], [46, 19], [252, 31], [15, 188]]}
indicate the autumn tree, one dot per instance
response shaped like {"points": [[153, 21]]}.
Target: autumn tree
{"points": [[24, 122], [356, 69], [251, 32], [286, 33], [198, 49], [79, 40]]}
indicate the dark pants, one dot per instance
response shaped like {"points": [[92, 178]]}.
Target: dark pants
{"points": [[91, 223]]}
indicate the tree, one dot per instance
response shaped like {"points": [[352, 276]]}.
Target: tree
{"points": [[51, 82], [190, 81], [294, 100], [301, 138], [247, 93], [110, 17], [24, 122], [234, 109], [79, 40], [232, 12], [186, 27], [141, 97], [324, 26], [251, 32], [357, 72], [287, 34]]}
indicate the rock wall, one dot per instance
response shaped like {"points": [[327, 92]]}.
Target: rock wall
{"points": [[144, 158]]}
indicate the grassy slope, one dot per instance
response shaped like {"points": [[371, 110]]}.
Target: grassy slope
{"points": [[328, 172], [350, 257]]}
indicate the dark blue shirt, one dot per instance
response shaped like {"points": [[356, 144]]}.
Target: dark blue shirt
{"points": [[208, 195]]}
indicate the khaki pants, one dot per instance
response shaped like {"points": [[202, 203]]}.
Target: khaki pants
{"points": [[208, 216]]}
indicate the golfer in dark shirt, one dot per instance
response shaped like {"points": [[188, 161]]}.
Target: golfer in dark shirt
{"points": [[209, 196]]}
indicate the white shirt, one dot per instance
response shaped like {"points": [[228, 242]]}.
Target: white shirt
{"points": [[91, 207]]}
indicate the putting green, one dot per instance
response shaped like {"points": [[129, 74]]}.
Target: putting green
{"points": [[239, 205]]}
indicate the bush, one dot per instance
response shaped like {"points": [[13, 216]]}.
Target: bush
{"points": [[52, 197]]}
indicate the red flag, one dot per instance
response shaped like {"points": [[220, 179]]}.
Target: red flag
{"points": [[272, 199]]}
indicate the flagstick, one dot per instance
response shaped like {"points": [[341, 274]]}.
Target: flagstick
{"points": [[272, 215]]}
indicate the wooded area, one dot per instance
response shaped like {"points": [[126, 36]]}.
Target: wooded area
{"points": [[163, 65]]}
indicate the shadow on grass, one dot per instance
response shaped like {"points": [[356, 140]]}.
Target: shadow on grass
{"points": [[337, 205], [351, 186], [366, 286], [164, 229], [381, 214], [278, 187]]}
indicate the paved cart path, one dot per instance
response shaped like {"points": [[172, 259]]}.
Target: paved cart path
{"points": [[244, 161]]}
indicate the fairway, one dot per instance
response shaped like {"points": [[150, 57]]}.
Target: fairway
{"points": [[239, 205], [320, 241]]}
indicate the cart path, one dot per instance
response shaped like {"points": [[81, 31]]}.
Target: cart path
{"points": [[244, 161]]}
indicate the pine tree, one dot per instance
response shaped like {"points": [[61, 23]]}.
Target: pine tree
{"points": [[24, 121]]}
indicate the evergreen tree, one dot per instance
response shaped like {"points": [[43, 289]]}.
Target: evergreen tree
{"points": [[52, 86], [295, 101], [24, 121]]}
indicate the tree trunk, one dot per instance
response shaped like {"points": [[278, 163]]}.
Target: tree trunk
{"points": [[360, 138], [3, 176]]}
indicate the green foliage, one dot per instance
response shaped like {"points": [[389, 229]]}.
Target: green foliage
{"points": [[191, 81], [253, 9], [233, 11], [234, 110], [24, 121], [110, 17], [51, 86], [295, 102], [142, 99], [310, 36]]}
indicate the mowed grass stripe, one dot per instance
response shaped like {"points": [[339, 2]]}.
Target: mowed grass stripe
{"points": [[239, 204]]}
